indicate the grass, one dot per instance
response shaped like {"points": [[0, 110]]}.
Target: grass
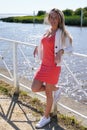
{"points": [[70, 122], [24, 19], [6, 89]]}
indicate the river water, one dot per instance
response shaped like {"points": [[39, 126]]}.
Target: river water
{"points": [[32, 33]]}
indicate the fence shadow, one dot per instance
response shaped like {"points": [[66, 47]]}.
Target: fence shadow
{"points": [[53, 125], [8, 115]]}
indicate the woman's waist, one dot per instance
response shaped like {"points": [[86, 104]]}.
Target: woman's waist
{"points": [[49, 62], [51, 66]]}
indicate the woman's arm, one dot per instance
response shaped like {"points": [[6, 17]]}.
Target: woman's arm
{"points": [[35, 51]]}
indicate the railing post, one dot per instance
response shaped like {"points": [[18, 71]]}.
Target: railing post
{"points": [[15, 67], [81, 17], [54, 107]]}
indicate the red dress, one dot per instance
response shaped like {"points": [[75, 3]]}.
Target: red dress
{"points": [[48, 71]]}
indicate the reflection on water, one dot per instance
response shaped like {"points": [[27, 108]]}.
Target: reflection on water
{"points": [[32, 33]]}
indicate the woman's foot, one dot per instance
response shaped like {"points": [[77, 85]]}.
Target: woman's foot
{"points": [[44, 121]]}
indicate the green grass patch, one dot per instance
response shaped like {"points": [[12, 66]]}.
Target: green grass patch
{"points": [[3, 90], [71, 122], [23, 93], [6, 89], [24, 19]]}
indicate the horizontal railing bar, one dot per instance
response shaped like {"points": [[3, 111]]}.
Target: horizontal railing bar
{"points": [[68, 108], [29, 44], [78, 54], [17, 42]]}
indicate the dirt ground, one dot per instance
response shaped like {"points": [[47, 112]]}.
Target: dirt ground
{"points": [[20, 116], [16, 114]]}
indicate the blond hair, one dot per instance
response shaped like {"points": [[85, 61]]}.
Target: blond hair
{"points": [[61, 24]]}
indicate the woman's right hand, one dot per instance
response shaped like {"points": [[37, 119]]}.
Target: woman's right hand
{"points": [[35, 51]]}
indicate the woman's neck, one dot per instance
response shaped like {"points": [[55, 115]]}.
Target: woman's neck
{"points": [[53, 30]]}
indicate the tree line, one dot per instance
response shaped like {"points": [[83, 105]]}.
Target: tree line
{"points": [[72, 18]]}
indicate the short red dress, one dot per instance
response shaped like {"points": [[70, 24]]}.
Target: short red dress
{"points": [[48, 72]]}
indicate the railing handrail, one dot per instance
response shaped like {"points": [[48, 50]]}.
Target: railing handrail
{"points": [[29, 44], [78, 54], [17, 42]]}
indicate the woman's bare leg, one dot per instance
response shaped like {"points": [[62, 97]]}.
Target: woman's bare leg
{"points": [[37, 86], [49, 100]]}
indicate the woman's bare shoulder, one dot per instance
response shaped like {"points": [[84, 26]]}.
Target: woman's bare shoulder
{"points": [[46, 32]]}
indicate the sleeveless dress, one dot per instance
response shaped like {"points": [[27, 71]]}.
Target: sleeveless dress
{"points": [[48, 72]]}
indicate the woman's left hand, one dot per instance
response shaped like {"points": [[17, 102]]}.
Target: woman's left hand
{"points": [[58, 56]]}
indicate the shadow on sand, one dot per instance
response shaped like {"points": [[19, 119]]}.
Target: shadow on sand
{"points": [[53, 125]]}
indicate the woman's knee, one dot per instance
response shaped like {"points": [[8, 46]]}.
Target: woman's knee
{"points": [[35, 86], [49, 94]]}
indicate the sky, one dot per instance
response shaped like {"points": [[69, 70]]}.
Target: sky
{"points": [[29, 6]]}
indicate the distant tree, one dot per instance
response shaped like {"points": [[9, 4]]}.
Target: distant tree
{"points": [[85, 14], [68, 12], [85, 9], [41, 13], [77, 11]]}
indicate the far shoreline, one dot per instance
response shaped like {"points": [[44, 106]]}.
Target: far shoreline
{"points": [[69, 20]]}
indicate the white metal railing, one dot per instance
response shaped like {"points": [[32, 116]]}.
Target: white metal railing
{"points": [[80, 55], [14, 78]]}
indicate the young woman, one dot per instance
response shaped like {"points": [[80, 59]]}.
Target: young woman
{"points": [[54, 43]]}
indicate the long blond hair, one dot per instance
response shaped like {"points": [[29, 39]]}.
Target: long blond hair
{"points": [[61, 24]]}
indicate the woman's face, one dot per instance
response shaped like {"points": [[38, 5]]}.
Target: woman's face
{"points": [[54, 19]]}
